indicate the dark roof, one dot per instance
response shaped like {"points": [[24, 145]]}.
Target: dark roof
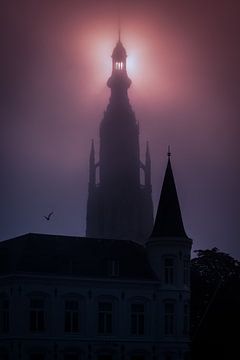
{"points": [[73, 256], [168, 222]]}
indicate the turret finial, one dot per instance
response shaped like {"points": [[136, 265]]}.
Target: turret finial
{"points": [[169, 152]]}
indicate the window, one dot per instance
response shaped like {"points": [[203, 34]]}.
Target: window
{"points": [[168, 271], [37, 314], [105, 318], [186, 272], [137, 319], [169, 320], [119, 65], [186, 319], [71, 320], [4, 315]]}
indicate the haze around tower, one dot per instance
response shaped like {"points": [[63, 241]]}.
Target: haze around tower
{"points": [[183, 60]]}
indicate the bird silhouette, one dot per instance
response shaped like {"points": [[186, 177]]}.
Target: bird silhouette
{"points": [[48, 216]]}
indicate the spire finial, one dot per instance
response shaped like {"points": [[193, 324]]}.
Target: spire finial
{"points": [[169, 152], [119, 25]]}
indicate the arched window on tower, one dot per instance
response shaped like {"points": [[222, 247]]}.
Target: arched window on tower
{"points": [[119, 65]]}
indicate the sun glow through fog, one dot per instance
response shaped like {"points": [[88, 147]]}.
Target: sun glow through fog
{"points": [[156, 65]]}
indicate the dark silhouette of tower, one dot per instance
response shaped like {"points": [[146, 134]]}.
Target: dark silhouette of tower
{"points": [[119, 206]]}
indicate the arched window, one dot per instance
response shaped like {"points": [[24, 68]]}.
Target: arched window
{"points": [[37, 314], [105, 317], [106, 314], [138, 310], [38, 302], [72, 316], [74, 310], [137, 318], [119, 65]]}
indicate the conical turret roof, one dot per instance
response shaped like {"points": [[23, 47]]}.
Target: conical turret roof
{"points": [[168, 222]]}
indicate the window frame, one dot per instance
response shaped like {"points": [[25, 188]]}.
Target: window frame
{"points": [[37, 314], [169, 271], [169, 322], [140, 319], [72, 317], [105, 318]]}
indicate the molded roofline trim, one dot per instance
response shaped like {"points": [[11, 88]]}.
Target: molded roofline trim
{"points": [[76, 278]]}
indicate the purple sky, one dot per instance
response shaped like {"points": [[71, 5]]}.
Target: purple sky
{"points": [[184, 61]]}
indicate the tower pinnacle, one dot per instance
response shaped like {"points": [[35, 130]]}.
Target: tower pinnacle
{"points": [[119, 81], [119, 27]]}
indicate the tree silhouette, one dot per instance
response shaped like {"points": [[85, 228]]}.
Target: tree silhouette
{"points": [[215, 280]]}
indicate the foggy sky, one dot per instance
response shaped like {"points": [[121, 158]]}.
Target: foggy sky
{"points": [[55, 61]]}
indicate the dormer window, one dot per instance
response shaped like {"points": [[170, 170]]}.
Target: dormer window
{"points": [[119, 65]]}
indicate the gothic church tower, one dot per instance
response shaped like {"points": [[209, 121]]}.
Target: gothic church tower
{"points": [[119, 206]]}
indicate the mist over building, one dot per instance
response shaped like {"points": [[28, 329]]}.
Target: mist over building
{"points": [[119, 206], [104, 296]]}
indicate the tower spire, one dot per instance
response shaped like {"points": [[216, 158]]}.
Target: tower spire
{"points": [[119, 26], [168, 222]]}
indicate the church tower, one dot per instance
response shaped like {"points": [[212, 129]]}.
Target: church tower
{"points": [[119, 206]]}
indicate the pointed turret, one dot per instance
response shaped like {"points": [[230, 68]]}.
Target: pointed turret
{"points": [[168, 222]]}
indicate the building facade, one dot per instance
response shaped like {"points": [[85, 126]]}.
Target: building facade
{"points": [[119, 206], [71, 298]]}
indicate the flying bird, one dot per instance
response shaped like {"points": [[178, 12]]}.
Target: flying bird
{"points": [[49, 216]]}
